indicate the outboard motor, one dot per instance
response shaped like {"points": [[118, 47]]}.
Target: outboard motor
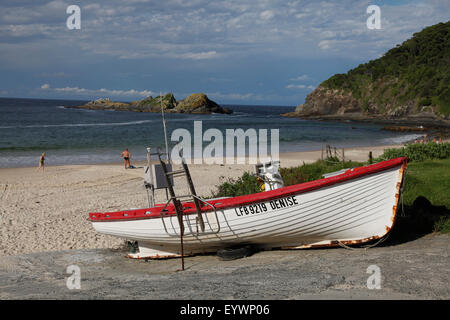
{"points": [[269, 173]]}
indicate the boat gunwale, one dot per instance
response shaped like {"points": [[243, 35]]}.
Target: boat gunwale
{"points": [[233, 202]]}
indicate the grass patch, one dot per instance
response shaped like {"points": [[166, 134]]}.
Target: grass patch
{"points": [[442, 225], [430, 179]]}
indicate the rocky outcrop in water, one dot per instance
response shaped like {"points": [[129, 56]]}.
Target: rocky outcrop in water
{"points": [[195, 103], [199, 103], [151, 104], [105, 104]]}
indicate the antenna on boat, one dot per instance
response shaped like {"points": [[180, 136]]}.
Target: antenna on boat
{"points": [[164, 125], [149, 184]]}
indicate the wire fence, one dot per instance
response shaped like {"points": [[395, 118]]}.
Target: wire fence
{"points": [[331, 154]]}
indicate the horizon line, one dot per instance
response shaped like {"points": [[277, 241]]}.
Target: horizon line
{"points": [[223, 104]]}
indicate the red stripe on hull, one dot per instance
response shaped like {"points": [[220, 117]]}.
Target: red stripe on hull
{"points": [[220, 204]]}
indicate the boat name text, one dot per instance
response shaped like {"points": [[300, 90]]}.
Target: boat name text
{"points": [[262, 207]]}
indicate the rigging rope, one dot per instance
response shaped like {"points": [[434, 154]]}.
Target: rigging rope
{"points": [[365, 247]]}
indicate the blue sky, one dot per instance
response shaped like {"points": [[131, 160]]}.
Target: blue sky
{"points": [[267, 52]]}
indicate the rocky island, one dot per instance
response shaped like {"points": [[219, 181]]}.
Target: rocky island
{"points": [[410, 84], [195, 103]]}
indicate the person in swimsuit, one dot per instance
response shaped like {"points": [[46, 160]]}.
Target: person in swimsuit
{"points": [[41, 161], [126, 158]]}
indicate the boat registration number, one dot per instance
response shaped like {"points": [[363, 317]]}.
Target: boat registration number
{"points": [[262, 207]]}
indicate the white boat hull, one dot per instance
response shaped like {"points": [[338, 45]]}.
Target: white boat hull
{"points": [[353, 211]]}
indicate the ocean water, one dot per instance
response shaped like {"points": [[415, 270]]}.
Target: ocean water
{"points": [[29, 127]]}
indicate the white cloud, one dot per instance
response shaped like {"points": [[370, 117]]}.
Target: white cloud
{"points": [[102, 91], [299, 86], [300, 78], [338, 44], [170, 54], [296, 86], [233, 96], [199, 29], [71, 89], [324, 44], [199, 55], [267, 15]]}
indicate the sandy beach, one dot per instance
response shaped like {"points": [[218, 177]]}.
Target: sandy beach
{"points": [[48, 211], [45, 230]]}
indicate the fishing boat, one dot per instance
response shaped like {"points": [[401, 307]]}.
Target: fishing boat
{"points": [[352, 206]]}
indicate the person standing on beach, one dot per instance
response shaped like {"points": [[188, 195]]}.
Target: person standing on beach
{"points": [[126, 158], [41, 161]]}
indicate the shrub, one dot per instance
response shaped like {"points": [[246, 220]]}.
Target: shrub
{"points": [[314, 171], [425, 102], [247, 184], [419, 152]]}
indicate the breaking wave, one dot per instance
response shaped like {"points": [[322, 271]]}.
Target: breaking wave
{"points": [[129, 123], [402, 139]]}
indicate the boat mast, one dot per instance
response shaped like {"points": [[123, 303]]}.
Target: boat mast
{"points": [[164, 125]]}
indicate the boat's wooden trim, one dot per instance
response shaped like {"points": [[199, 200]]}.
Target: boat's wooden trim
{"points": [[221, 204]]}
